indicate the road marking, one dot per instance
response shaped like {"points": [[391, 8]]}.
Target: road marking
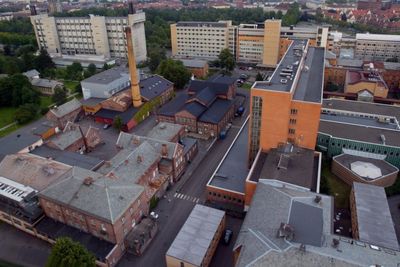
{"points": [[187, 197]]}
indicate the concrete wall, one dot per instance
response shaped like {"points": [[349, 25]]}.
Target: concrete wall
{"points": [[272, 35]]}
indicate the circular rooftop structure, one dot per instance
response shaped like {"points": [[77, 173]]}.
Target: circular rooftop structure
{"points": [[366, 169]]}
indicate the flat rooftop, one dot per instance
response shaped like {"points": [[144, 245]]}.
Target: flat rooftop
{"points": [[309, 77], [359, 133], [385, 167], [165, 131], [196, 235], [289, 59], [274, 203], [202, 24], [309, 87], [232, 172], [288, 164], [363, 121], [378, 37], [108, 76], [362, 107], [375, 224]]}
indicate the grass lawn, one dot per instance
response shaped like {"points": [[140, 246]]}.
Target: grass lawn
{"points": [[6, 116], [246, 86], [70, 85], [45, 101], [337, 188]]}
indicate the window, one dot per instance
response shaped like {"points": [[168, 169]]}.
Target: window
{"points": [[292, 131], [293, 111], [123, 220], [292, 121]]}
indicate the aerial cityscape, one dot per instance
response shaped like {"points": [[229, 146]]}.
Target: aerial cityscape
{"points": [[182, 133]]}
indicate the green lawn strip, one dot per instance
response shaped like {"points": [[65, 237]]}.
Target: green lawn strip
{"points": [[6, 116], [4, 263], [45, 101], [70, 85], [246, 86], [339, 189]]}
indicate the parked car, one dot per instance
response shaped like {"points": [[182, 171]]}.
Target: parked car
{"points": [[154, 215], [243, 76], [106, 126], [239, 112], [227, 236]]}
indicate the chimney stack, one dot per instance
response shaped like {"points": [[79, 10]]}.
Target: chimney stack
{"points": [[135, 90], [131, 9], [33, 10]]}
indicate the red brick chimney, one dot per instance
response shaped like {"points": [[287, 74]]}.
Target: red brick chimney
{"points": [[135, 89]]}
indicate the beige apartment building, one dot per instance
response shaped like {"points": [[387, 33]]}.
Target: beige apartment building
{"points": [[90, 37], [377, 47], [260, 43]]}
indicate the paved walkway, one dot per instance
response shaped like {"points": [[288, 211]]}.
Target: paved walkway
{"points": [[8, 126]]}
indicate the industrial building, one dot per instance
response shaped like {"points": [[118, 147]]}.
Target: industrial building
{"points": [[261, 43], [287, 226], [93, 38], [363, 169], [59, 116], [370, 216], [277, 142], [358, 128], [198, 238], [379, 47], [365, 82], [206, 108]]}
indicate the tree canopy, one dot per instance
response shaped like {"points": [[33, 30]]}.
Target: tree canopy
{"points": [[16, 90], [226, 60], [174, 71], [68, 253], [60, 96]]}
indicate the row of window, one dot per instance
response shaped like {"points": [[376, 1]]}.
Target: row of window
{"points": [[226, 197]]}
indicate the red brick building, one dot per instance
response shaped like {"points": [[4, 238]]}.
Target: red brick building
{"points": [[61, 115], [205, 109]]}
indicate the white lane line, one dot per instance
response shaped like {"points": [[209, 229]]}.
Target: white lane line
{"points": [[197, 200], [175, 194]]}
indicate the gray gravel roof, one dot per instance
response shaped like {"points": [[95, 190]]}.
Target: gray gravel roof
{"points": [[195, 237], [375, 224]]}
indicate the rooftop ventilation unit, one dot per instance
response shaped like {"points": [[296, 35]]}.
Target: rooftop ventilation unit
{"points": [[383, 139], [317, 199], [286, 231]]}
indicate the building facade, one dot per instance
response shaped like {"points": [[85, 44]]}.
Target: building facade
{"points": [[378, 47], [261, 43], [91, 36]]}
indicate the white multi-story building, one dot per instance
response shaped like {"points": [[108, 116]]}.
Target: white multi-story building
{"points": [[245, 41], [90, 37], [377, 46]]}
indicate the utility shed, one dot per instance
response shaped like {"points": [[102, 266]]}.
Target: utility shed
{"points": [[198, 238], [370, 216]]}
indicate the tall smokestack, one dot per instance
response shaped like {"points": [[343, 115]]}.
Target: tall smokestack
{"points": [[131, 9], [33, 10], [136, 97]]}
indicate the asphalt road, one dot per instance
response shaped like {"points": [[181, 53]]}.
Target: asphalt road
{"points": [[26, 250], [179, 202]]}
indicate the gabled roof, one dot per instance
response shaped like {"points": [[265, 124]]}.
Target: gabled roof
{"points": [[216, 112], [31, 73], [69, 136], [205, 97], [46, 83], [66, 108], [173, 106], [103, 197], [131, 141], [154, 86], [218, 88], [108, 192], [126, 115], [194, 108]]}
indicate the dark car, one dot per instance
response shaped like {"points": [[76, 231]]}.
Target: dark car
{"points": [[227, 236]]}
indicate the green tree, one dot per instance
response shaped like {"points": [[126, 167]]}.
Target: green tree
{"points": [[174, 71], [105, 66], [117, 123], [78, 89], [226, 60], [44, 61], [74, 71], [22, 90], [60, 96], [25, 113], [67, 252], [156, 55], [91, 69], [259, 77]]}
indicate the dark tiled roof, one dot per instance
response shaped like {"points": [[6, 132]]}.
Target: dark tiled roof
{"points": [[194, 108], [154, 86], [216, 111], [175, 105], [218, 88], [69, 158], [126, 116], [99, 248], [205, 96]]}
